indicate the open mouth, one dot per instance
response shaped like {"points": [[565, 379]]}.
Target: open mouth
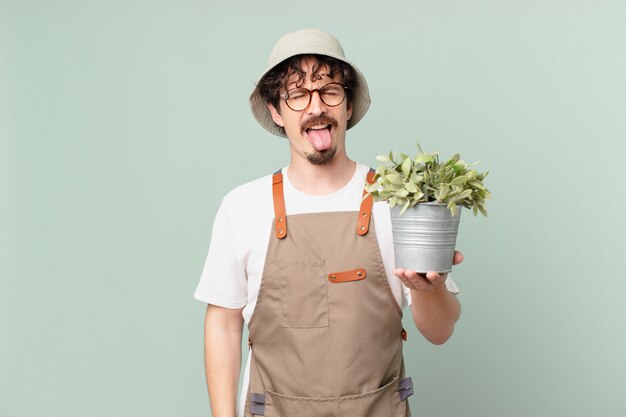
{"points": [[319, 136]]}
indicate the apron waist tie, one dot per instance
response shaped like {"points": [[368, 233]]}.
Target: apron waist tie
{"points": [[257, 404], [405, 388]]}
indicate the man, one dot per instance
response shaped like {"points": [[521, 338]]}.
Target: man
{"points": [[308, 264]]}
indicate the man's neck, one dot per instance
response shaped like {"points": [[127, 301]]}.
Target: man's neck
{"points": [[321, 179]]}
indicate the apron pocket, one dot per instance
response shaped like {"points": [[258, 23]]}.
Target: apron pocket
{"points": [[382, 402], [303, 294]]}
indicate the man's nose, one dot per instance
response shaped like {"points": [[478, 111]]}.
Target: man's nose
{"points": [[316, 106]]}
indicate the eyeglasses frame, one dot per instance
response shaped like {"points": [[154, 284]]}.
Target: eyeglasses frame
{"points": [[286, 95]]}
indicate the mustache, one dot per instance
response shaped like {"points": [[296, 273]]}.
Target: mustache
{"points": [[318, 120]]}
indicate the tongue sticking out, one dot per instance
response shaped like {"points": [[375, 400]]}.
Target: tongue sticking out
{"points": [[319, 138]]}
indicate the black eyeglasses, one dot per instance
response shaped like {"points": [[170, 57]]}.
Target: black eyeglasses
{"points": [[298, 99]]}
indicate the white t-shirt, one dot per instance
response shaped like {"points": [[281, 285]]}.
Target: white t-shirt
{"points": [[232, 273]]}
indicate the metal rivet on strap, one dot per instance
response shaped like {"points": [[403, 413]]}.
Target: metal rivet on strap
{"points": [[281, 231], [362, 227], [364, 214], [360, 273], [333, 277], [280, 219]]}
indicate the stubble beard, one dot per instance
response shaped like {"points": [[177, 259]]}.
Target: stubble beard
{"points": [[322, 157]]}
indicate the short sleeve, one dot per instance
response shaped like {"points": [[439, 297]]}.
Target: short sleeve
{"points": [[452, 285], [223, 279]]}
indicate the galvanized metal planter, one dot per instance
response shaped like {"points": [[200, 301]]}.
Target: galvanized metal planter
{"points": [[424, 237]]}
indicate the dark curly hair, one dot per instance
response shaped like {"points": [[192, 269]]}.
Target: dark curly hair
{"points": [[278, 77]]}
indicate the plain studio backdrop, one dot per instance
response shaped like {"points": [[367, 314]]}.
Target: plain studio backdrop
{"points": [[124, 123]]}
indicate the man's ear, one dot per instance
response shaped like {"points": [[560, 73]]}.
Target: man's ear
{"points": [[349, 111], [276, 117]]}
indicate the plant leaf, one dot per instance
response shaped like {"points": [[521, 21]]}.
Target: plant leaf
{"points": [[418, 196], [404, 207], [394, 178], [410, 187], [476, 184], [402, 193], [452, 207], [423, 158], [459, 180], [407, 165]]}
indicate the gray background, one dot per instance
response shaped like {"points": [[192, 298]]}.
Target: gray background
{"points": [[123, 123]]}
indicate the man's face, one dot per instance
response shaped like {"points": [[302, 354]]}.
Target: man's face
{"points": [[318, 132]]}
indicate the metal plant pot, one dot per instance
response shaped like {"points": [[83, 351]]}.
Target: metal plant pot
{"points": [[424, 237]]}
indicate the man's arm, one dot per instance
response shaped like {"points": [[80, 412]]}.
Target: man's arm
{"points": [[435, 309], [223, 328]]}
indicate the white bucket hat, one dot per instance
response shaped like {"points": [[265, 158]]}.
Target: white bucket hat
{"points": [[308, 41]]}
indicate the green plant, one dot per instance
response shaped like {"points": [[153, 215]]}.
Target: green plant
{"points": [[404, 181]]}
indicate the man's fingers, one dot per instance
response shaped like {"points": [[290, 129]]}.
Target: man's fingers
{"points": [[435, 277], [411, 278], [399, 272], [405, 273]]}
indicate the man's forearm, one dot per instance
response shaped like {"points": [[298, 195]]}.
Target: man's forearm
{"points": [[222, 352], [435, 313]]}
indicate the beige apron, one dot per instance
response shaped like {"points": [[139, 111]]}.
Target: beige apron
{"points": [[326, 333]]}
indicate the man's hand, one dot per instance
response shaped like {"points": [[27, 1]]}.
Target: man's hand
{"points": [[435, 309], [430, 281]]}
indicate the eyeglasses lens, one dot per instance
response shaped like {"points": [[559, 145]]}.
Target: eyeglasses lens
{"points": [[331, 94]]}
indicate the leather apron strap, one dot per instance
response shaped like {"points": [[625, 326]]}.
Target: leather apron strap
{"points": [[365, 212], [280, 214]]}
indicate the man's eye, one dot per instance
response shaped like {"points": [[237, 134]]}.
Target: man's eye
{"points": [[297, 94], [333, 91]]}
